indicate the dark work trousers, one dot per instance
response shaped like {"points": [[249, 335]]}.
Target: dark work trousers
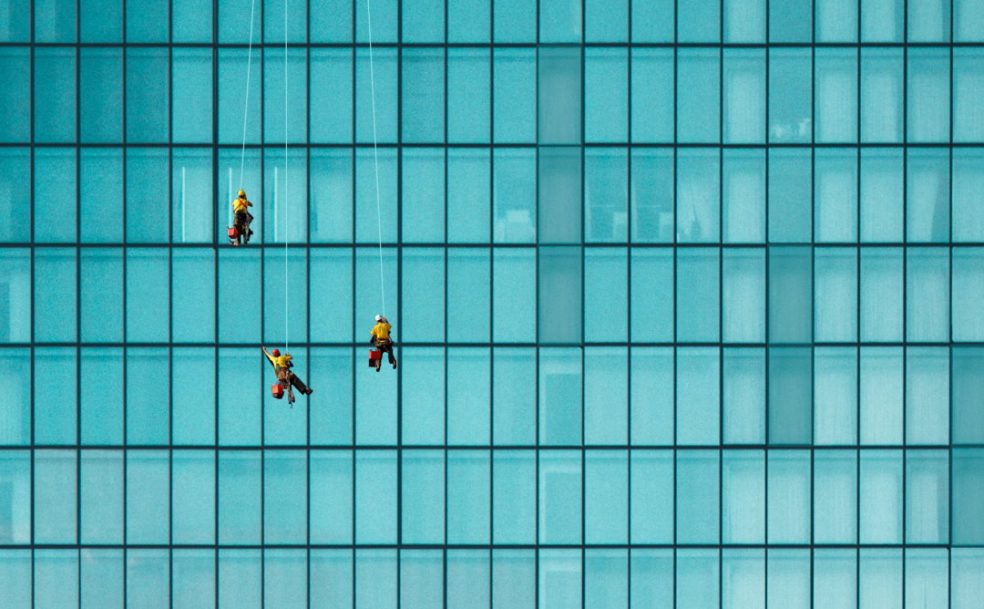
{"points": [[284, 375], [387, 348]]}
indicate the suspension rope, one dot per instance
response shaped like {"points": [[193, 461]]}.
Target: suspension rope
{"points": [[286, 207], [375, 155], [249, 64]]}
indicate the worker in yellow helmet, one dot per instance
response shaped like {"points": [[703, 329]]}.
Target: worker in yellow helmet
{"points": [[240, 206], [282, 365], [381, 339]]}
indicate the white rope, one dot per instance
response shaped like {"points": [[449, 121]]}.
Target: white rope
{"points": [[249, 63], [375, 155], [286, 206]]}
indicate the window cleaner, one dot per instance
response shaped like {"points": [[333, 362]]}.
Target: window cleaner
{"points": [[383, 343], [240, 232], [286, 379]]}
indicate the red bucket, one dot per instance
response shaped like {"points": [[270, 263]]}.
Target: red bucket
{"points": [[374, 356], [233, 232], [277, 390]]}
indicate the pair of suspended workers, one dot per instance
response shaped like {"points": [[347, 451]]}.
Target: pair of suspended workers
{"points": [[380, 336]]}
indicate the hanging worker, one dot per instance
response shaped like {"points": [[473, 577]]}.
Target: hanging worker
{"points": [[382, 341], [242, 233], [282, 365]]}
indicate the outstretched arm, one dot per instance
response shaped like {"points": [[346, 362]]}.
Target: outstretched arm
{"points": [[267, 354]]}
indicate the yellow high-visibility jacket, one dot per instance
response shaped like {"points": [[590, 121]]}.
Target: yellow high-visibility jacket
{"points": [[381, 331], [279, 362], [240, 205]]}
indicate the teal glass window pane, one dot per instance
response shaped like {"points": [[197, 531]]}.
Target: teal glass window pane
{"points": [[880, 574], [606, 395], [469, 95], [286, 218], [698, 196], [560, 293], [652, 195], [56, 579], [102, 375], [147, 20], [469, 512], [147, 396], [744, 95], [101, 193], [55, 295], [240, 578], [968, 382], [54, 92], [968, 19], [101, 89], [193, 579], [191, 80], [881, 496], [514, 391], [514, 95], [927, 195], [147, 94], [881, 395], [927, 575], [469, 396], [698, 395], [882, 20], [790, 200], [836, 20], [928, 95], [881, 95], [330, 204], [514, 492], [235, 65], [330, 488], [193, 289], [148, 579], [928, 294], [789, 496], [881, 194], [560, 20], [698, 21], [606, 578], [193, 415], [560, 582], [966, 583], [193, 496], [743, 578], [192, 191], [652, 291], [54, 496], [239, 497], [967, 167], [423, 390], [384, 79], [968, 87], [560, 380], [836, 294], [605, 194], [697, 488], [835, 191], [651, 577], [191, 21], [651, 408], [788, 578], [421, 578], [790, 404], [17, 23], [606, 21], [55, 397], [744, 20], [55, 185], [835, 395], [147, 296], [14, 171], [101, 499], [559, 195], [968, 496], [606, 485], [284, 497], [653, 109], [835, 578], [146, 166], [881, 294], [423, 97], [606, 94], [651, 496], [653, 21], [469, 275], [513, 295], [331, 415], [514, 20], [422, 496], [102, 578], [147, 481], [239, 404], [790, 93], [744, 191], [239, 290], [743, 297], [743, 406], [15, 100], [295, 22], [423, 20], [928, 20], [560, 493], [605, 311], [698, 104], [469, 21], [968, 288], [836, 85], [790, 294], [743, 496], [927, 390], [15, 521], [790, 21], [927, 492], [698, 286], [514, 195], [697, 578], [376, 496], [513, 579], [559, 85], [423, 309], [835, 483], [331, 106], [469, 187]]}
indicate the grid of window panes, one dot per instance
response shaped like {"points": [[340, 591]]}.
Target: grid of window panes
{"points": [[686, 296]]}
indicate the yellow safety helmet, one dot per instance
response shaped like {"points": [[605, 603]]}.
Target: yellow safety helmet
{"points": [[242, 193]]}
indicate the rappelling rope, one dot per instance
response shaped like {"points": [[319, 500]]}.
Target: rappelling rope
{"points": [[286, 207], [249, 63], [375, 158]]}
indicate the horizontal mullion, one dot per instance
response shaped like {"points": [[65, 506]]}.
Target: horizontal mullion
{"points": [[473, 546], [301, 245], [275, 45], [504, 345], [274, 145], [488, 447]]}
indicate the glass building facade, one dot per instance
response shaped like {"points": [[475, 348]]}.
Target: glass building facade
{"points": [[687, 297]]}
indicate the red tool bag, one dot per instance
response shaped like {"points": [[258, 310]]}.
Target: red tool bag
{"points": [[374, 356], [233, 232], [277, 390]]}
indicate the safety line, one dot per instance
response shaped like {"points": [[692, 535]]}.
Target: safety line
{"points": [[375, 158], [249, 64], [286, 206]]}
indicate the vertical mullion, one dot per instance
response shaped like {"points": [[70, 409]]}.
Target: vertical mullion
{"points": [[949, 541], [444, 540], [125, 452], [491, 338], [32, 256], [215, 300], [628, 302], [262, 255], [720, 296], [398, 257], [307, 296], [78, 294], [768, 254], [582, 51], [352, 351], [170, 308]]}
